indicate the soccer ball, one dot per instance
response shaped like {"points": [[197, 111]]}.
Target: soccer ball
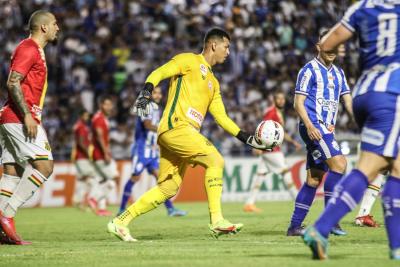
{"points": [[270, 133]]}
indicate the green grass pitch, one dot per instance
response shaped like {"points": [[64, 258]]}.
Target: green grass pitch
{"points": [[68, 237]]}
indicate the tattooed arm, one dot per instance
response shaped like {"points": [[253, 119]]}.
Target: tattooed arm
{"points": [[15, 91]]}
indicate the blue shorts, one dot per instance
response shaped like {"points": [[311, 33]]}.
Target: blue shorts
{"points": [[319, 151], [139, 164], [378, 115]]}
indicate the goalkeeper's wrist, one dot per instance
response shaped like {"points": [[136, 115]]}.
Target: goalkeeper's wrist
{"points": [[148, 87], [243, 136]]}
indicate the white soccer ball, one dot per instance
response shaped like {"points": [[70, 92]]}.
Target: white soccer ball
{"points": [[270, 133]]}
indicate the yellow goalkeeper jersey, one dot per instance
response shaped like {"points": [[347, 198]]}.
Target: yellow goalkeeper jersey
{"points": [[193, 90]]}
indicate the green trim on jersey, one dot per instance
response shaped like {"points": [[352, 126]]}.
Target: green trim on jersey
{"points": [[172, 110]]}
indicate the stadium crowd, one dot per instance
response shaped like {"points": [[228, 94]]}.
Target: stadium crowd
{"points": [[110, 46]]}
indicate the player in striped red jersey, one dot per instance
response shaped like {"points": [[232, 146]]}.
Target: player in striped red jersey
{"points": [[274, 161], [22, 137]]}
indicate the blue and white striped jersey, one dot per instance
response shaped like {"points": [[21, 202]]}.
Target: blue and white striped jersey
{"points": [[323, 87], [145, 141], [376, 22]]}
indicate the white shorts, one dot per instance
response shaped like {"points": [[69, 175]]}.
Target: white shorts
{"points": [[271, 162], [17, 149], [84, 167], [106, 171]]}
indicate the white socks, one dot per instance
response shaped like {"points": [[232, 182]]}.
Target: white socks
{"points": [[27, 186], [255, 188], [370, 195], [8, 183]]}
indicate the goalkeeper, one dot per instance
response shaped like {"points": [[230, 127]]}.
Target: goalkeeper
{"points": [[193, 90]]}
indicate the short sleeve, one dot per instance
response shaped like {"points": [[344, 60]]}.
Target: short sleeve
{"points": [[304, 81], [349, 19], [23, 59], [345, 85]]}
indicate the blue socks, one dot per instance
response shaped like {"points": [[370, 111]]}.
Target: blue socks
{"points": [[331, 179], [391, 209], [126, 195], [347, 194], [304, 199], [168, 204]]}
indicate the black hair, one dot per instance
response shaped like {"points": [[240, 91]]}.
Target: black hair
{"points": [[216, 33], [104, 98]]}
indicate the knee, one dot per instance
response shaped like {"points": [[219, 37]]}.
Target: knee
{"points": [[44, 167], [339, 165], [135, 178], [218, 161], [313, 181], [169, 187]]}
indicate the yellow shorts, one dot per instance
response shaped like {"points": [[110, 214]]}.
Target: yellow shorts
{"points": [[178, 148]]}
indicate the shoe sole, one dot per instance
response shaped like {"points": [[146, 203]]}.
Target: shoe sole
{"points": [[316, 247], [217, 233]]}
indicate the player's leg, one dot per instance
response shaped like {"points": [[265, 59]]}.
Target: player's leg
{"points": [[364, 217], [337, 166], [276, 164], [85, 173], [137, 169], [391, 208], [153, 168], [378, 115], [107, 173], [38, 153], [262, 172], [172, 169], [304, 200]]}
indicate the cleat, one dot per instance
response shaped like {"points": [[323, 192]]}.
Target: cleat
{"points": [[395, 254], [104, 213], [337, 230], [92, 203], [8, 226], [174, 212], [317, 243], [295, 231], [251, 208], [366, 220], [224, 227], [120, 231]]}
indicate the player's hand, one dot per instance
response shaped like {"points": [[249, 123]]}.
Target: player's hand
{"points": [[314, 133], [30, 127], [252, 141], [107, 158], [142, 103], [257, 152]]}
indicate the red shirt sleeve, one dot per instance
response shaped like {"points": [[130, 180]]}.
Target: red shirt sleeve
{"points": [[271, 115], [23, 59]]}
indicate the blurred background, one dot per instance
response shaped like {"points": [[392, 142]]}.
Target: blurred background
{"points": [[110, 46]]}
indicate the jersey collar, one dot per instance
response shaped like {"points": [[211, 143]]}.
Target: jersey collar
{"points": [[322, 64], [206, 63]]}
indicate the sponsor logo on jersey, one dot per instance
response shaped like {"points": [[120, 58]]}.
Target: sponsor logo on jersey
{"points": [[37, 111], [210, 85], [327, 105], [203, 70], [195, 115]]}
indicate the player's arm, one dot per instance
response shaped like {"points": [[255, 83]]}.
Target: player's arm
{"points": [[290, 140], [99, 135], [348, 104], [217, 110], [15, 91], [312, 131], [176, 66], [150, 126], [342, 31]]}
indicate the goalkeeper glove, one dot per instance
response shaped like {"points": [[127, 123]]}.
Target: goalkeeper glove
{"points": [[142, 103], [252, 141]]}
